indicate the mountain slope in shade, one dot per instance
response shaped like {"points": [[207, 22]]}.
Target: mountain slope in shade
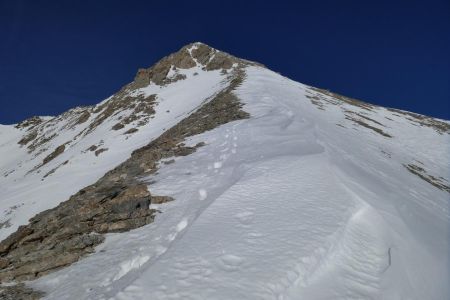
{"points": [[311, 195]]}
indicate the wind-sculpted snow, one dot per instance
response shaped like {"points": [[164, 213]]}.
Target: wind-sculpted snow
{"points": [[300, 201]]}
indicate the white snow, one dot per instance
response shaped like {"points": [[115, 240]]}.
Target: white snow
{"points": [[293, 207], [26, 194], [203, 194], [182, 225]]}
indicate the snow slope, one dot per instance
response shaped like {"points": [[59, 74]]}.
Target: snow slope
{"points": [[26, 190], [297, 202]]}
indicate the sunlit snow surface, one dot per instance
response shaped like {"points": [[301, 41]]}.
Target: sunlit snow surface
{"points": [[24, 193], [284, 205]]}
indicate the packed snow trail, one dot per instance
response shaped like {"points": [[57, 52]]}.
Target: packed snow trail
{"points": [[284, 205]]}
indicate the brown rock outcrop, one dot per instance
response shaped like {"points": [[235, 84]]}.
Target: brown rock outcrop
{"points": [[19, 292], [117, 202], [60, 149]]}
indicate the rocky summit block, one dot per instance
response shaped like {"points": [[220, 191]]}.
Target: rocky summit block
{"points": [[187, 57]]}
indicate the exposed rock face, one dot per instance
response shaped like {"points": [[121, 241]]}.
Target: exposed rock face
{"points": [[19, 292], [186, 58], [100, 151], [125, 107], [84, 116], [40, 132], [142, 108], [158, 72], [60, 236], [60, 149], [421, 120], [319, 100], [30, 123], [161, 199], [37, 129], [441, 183], [118, 126], [224, 108], [92, 148], [117, 202], [28, 138], [131, 130]]}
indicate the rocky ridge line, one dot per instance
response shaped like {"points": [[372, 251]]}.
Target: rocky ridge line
{"points": [[125, 107], [117, 202]]}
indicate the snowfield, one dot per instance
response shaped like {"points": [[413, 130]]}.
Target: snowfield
{"points": [[296, 202]]}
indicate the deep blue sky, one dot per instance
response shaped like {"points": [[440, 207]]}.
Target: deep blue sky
{"points": [[55, 55]]}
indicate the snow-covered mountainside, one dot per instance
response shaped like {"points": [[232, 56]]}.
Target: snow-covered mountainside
{"points": [[267, 189]]}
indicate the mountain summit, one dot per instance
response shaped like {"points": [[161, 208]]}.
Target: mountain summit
{"points": [[212, 177]]}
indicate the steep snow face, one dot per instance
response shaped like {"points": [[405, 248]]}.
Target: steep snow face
{"points": [[313, 197], [35, 176]]}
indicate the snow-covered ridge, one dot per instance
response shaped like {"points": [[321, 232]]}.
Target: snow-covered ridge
{"points": [[40, 154], [297, 202], [315, 196]]}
